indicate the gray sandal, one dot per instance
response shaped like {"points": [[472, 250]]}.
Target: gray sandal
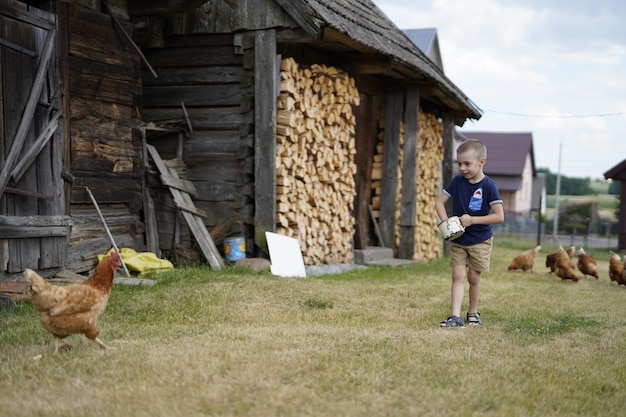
{"points": [[452, 322], [473, 319]]}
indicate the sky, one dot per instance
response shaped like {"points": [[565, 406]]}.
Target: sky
{"points": [[553, 68]]}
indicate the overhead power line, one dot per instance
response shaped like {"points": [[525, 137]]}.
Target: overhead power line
{"points": [[562, 116]]}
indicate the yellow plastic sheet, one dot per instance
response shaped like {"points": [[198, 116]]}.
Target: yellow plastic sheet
{"points": [[144, 263]]}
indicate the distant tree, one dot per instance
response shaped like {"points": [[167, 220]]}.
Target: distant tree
{"points": [[614, 187], [569, 186], [550, 180]]}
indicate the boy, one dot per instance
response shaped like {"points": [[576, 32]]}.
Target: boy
{"points": [[477, 202]]}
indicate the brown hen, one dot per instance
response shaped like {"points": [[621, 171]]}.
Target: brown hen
{"points": [[551, 258], [586, 264], [564, 268], [525, 260], [616, 269], [72, 309]]}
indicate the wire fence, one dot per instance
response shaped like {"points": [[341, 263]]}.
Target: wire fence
{"points": [[529, 229]]}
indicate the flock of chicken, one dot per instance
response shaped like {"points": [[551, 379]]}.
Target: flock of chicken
{"points": [[72, 309], [562, 264]]}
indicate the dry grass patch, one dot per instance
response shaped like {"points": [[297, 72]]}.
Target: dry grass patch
{"points": [[235, 343]]}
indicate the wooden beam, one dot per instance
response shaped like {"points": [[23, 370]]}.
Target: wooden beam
{"points": [[36, 221], [24, 232], [368, 65], [18, 48], [391, 151], [162, 7], [447, 166], [24, 193], [621, 236], [265, 92], [365, 143], [408, 202]]}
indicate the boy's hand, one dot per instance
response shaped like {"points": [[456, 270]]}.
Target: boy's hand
{"points": [[466, 220]]}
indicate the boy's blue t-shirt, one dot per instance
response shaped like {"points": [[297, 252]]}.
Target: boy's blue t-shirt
{"points": [[475, 200]]}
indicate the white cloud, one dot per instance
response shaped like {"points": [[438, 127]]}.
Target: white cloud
{"points": [[537, 58]]}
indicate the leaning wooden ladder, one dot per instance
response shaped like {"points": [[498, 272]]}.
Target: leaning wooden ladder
{"points": [[180, 190]]}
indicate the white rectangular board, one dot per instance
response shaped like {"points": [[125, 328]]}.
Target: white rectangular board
{"points": [[285, 256]]}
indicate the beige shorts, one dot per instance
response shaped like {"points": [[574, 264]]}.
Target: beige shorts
{"points": [[476, 256]]}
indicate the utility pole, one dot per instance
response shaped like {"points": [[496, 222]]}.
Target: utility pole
{"points": [[555, 226]]}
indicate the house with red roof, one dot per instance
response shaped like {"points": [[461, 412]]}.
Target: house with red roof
{"points": [[511, 164]]}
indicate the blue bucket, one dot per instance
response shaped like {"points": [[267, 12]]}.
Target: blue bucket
{"points": [[234, 248]]}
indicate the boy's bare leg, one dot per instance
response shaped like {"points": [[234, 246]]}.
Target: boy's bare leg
{"points": [[458, 289], [473, 277]]}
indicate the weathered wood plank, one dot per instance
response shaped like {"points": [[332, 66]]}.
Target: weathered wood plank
{"points": [[97, 49], [222, 171], [94, 37], [114, 190], [265, 132], [179, 183], [195, 75], [162, 7], [151, 226], [217, 211], [192, 56], [111, 115], [29, 156], [202, 144], [79, 66], [104, 89], [194, 222], [18, 48], [216, 190], [23, 232], [189, 208], [35, 221], [194, 95], [17, 191], [205, 39], [367, 119], [391, 151], [29, 111], [408, 203], [82, 255], [41, 19], [216, 118]]}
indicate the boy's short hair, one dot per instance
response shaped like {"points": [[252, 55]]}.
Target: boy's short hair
{"points": [[475, 145]]}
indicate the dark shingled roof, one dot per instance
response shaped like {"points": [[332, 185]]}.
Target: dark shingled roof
{"points": [[506, 152], [372, 34], [618, 172], [427, 41], [506, 156]]}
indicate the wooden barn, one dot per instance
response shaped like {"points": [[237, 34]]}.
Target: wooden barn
{"points": [[618, 173], [316, 119]]}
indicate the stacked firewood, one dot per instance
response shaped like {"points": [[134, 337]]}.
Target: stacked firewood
{"points": [[429, 157], [315, 164]]}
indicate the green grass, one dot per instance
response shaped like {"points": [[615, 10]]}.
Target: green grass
{"points": [[365, 342]]}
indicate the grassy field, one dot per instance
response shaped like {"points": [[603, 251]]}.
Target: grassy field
{"points": [[360, 343]]}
